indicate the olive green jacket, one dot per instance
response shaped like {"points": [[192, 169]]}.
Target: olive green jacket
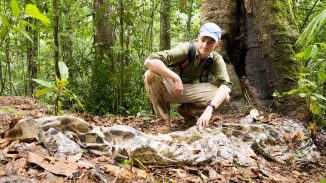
{"points": [[191, 72]]}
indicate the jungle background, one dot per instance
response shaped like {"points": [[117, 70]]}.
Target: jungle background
{"points": [[86, 58]]}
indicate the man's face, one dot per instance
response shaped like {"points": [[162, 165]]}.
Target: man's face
{"points": [[206, 45]]}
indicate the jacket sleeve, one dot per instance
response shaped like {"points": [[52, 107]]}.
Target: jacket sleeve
{"points": [[219, 72], [173, 56]]}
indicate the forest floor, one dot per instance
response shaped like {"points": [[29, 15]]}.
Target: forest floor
{"points": [[15, 167]]}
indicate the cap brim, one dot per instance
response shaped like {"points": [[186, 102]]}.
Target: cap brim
{"points": [[209, 35]]}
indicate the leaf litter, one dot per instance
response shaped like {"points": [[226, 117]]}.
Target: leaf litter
{"points": [[29, 161]]}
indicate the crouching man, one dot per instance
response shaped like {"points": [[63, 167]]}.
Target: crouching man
{"points": [[191, 74]]}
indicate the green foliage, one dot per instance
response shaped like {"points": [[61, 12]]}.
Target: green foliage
{"points": [[313, 28], [58, 89], [312, 77], [15, 8], [16, 22], [78, 51], [33, 11]]}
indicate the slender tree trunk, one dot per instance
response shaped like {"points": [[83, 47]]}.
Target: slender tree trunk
{"points": [[31, 53], [189, 14], [152, 26], [1, 80], [121, 55], [56, 37], [56, 50], [66, 40], [9, 66], [165, 27]]}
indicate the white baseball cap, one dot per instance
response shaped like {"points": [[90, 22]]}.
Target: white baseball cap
{"points": [[212, 30]]}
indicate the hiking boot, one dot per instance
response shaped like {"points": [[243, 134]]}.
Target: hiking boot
{"points": [[189, 121], [189, 118], [163, 126]]}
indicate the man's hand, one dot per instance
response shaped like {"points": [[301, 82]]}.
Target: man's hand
{"points": [[203, 120], [178, 87]]}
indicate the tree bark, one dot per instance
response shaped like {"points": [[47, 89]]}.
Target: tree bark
{"points": [[66, 40], [8, 60], [56, 37], [259, 38], [121, 55], [104, 64], [189, 18], [165, 38], [151, 25]]}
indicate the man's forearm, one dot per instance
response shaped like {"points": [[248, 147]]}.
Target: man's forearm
{"points": [[221, 94], [159, 67]]}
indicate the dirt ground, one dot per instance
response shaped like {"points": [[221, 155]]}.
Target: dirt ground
{"points": [[18, 166]]}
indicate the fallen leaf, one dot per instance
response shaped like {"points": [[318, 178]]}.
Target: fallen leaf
{"points": [[181, 173], [16, 167], [85, 164], [118, 171], [296, 173], [74, 157], [298, 136], [276, 149], [5, 144], [2, 171], [212, 174], [54, 165], [3, 141], [140, 172], [273, 116]]}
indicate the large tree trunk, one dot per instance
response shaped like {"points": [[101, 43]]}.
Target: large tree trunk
{"points": [[259, 38], [165, 38]]}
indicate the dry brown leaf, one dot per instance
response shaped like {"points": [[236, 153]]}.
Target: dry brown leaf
{"points": [[20, 165], [212, 174], [273, 116], [5, 144], [276, 149], [182, 174], [299, 136], [36, 114], [3, 141], [287, 138], [74, 157], [2, 171], [118, 171], [85, 164], [54, 165], [140, 172], [296, 173]]}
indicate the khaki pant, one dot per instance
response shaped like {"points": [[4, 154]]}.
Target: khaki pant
{"points": [[194, 98]]}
